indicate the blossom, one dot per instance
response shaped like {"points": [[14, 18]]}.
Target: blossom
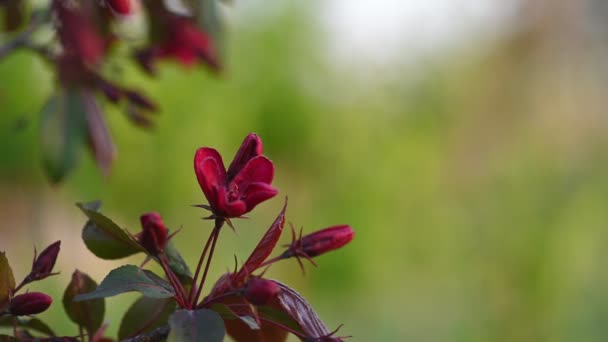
{"points": [[42, 266], [181, 40], [259, 291], [319, 242], [237, 191], [122, 7], [30, 303], [154, 233]]}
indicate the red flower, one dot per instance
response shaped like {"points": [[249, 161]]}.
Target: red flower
{"points": [[77, 31], [319, 242], [182, 41], [30, 303], [261, 291], [243, 186], [154, 233], [44, 263], [122, 7]]}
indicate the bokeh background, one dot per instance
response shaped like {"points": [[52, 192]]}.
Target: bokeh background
{"points": [[465, 141]]}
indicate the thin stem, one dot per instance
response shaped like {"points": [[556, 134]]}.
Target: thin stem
{"points": [[216, 233], [282, 326], [22, 39], [180, 295], [198, 267], [81, 332], [270, 261], [211, 300]]}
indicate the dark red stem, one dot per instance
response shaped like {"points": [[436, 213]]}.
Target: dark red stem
{"points": [[198, 268], [216, 233], [180, 293]]}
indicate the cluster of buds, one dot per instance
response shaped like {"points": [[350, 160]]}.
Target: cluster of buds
{"points": [[84, 39], [31, 303]]}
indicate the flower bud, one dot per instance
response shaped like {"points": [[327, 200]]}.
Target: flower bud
{"points": [[30, 303], [44, 263], [260, 291], [122, 7], [321, 242], [154, 233]]}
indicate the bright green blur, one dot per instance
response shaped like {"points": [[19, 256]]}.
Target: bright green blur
{"points": [[476, 183]]}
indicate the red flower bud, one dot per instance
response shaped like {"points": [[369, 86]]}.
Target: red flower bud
{"points": [[154, 233], [260, 291], [30, 303], [122, 7], [44, 263], [320, 242]]}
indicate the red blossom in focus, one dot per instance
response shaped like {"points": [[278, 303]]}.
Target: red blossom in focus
{"points": [[43, 264], [30, 303], [154, 233], [319, 242], [259, 291], [237, 191]]}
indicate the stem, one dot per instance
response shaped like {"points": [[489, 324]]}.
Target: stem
{"points": [[180, 294], [198, 267], [211, 300], [22, 39], [216, 234], [270, 261], [284, 327]]}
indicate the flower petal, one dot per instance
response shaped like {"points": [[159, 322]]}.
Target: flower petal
{"points": [[256, 193], [250, 148], [258, 170], [210, 172], [227, 208]]}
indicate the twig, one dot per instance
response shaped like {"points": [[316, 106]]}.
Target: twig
{"points": [[22, 39]]}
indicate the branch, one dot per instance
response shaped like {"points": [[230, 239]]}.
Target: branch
{"points": [[157, 335], [22, 39]]}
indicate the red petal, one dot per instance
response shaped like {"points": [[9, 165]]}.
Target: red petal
{"points": [[210, 172], [258, 170], [250, 148], [229, 208], [257, 193]]}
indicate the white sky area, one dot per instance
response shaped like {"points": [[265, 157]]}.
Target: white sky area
{"points": [[381, 31]]}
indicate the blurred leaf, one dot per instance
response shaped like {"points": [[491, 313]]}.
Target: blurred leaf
{"points": [[106, 239], [99, 136], [176, 262], [6, 338], [87, 314], [63, 129], [196, 326], [145, 315], [7, 281], [264, 248], [29, 324], [130, 278]]}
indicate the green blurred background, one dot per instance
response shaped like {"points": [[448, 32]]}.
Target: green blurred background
{"points": [[473, 169]]}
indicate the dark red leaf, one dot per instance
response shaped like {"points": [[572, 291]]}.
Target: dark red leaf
{"points": [[293, 304], [263, 249]]}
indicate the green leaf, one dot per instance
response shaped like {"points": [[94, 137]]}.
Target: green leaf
{"points": [[130, 278], [63, 132], [176, 262], [145, 315], [7, 281], [104, 238], [32, 324], [196, 326], [87, 314]]}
